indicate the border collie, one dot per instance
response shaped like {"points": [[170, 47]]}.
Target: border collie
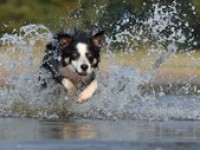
{"points": [[73, 55]]}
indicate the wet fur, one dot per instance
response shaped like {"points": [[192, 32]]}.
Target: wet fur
{"points": [[72, 56]]}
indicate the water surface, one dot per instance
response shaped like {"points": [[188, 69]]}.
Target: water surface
{"points": [[17, 130]]}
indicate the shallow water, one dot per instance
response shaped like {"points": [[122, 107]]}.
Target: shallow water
{"points": [[123, 114], [17, 130], [126, 130], [119, 94]]}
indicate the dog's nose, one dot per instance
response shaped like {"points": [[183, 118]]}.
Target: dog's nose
{"points": [[84, 67]]}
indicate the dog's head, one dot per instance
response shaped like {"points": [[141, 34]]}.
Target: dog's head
{"points": [[81, 50]]}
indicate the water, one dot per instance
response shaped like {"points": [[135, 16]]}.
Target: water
{"points": [[134, 107], [97, 134], [101, 130], [123, 93]]}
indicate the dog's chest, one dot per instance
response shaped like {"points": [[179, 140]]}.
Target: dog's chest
{"points": [[77, 80]]}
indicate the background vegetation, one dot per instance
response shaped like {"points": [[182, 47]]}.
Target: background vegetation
{"points": [[106, 14]]}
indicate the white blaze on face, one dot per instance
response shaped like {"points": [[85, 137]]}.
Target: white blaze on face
{"points": [[82, 49]]}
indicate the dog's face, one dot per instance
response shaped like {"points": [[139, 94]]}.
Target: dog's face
{"points": [[82, 58], [84, 48]]}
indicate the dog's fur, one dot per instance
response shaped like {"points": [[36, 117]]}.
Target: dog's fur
{"points": [[71, 56]]}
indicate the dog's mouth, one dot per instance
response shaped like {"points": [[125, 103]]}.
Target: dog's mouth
{"points": [[83, 73]]}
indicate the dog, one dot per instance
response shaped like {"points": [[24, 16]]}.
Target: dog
{"points": [[73, 56]]}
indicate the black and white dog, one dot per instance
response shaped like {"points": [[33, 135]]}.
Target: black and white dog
{"points": [[79, 53]]}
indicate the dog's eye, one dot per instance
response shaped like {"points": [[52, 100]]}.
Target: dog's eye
{"points": [[75, 55], [89, 55]]}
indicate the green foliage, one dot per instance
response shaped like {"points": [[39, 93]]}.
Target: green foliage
{"points": [[15, 13], [59, 14]]}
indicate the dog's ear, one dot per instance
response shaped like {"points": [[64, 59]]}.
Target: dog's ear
{"points": [[65, 38], [64, 41], [98, 39]]}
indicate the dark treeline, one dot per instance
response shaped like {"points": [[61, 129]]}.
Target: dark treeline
{"points": [[106, 14]]}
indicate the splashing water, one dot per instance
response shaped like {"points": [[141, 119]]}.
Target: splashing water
{"points": [[123, 92]]}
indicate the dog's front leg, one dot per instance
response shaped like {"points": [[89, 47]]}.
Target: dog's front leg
{"points": [[69, 86], [88, 92]]}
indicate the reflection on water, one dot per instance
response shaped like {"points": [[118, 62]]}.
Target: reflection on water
{"points": [[134, 131], [30, 129], [78, 131]]}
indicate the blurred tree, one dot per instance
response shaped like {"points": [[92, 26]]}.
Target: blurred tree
{"points": [[195, 22], [113, 16], [49, 12], [185, 17]]}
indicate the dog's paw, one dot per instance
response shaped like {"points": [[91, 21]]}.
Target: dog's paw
{"points": [[84, 96], [68, 85]]}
